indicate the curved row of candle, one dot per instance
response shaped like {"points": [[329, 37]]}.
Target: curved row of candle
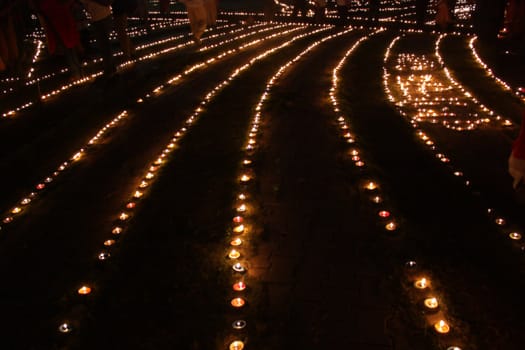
{"points": [[243, 220], [427, 299], [23, 203], [437, 318], [509, 229], [122, 219], [11, 113], [465, 92], [490, 73], [39, 46], [242, 36]]}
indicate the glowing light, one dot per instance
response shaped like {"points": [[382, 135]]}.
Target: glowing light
{"points": [[515, 236], [65, 328], [234, 254], [421, 283], [103, 256], [238, 267], [238, 302], [236, 242], [431, 303], [238, 229], [239, 286], [109, 242], [117, 230], [384, 213], [237, 345], [84, 290], [442, 327], [239, 324], [371, 186], [391, 226]]}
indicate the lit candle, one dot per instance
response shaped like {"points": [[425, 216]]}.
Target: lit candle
{"points": [[500, 221], [109, 242], [515, 236], [431, 303], [103, 256], [238, 229], [442, 327], [16, 210], [411, 264], [359, 163], [239, 324], [117, 230], [241, 208], [123, 216], [421, 284], [371, 186], [245, 178], [242, 196], [84, 290], [377, 199], [65, 328], [236, 242], [234, 254], [237, 345], [384, 214], [238, 302], [130, 205], [391, 226], [137, 194], [238, 267], [239, 286], [238, 219]]}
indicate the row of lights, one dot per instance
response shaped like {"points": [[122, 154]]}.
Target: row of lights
{"points": [[23, 203], [122, 219], [244, 210], [517, 91], [423, 283], [39, 46], [65, 87], [465, 92], [435, 316], [509, 229]]}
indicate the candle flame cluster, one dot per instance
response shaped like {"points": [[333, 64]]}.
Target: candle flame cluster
{"points": [[421, 290], [43, 185], [18, 210], [143, 186], [503, 224], [372, 186], [243, 219], [490, 73]]}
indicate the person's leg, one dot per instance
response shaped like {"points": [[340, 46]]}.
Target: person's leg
{"points": [[101, 30], [4, 53], [121, 23], [12, 45], [73, 63]]}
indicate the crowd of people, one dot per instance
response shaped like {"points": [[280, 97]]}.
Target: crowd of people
{"points": [[69, 25]]}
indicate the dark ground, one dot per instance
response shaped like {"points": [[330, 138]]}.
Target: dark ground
{"points": [[322, 270]]}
